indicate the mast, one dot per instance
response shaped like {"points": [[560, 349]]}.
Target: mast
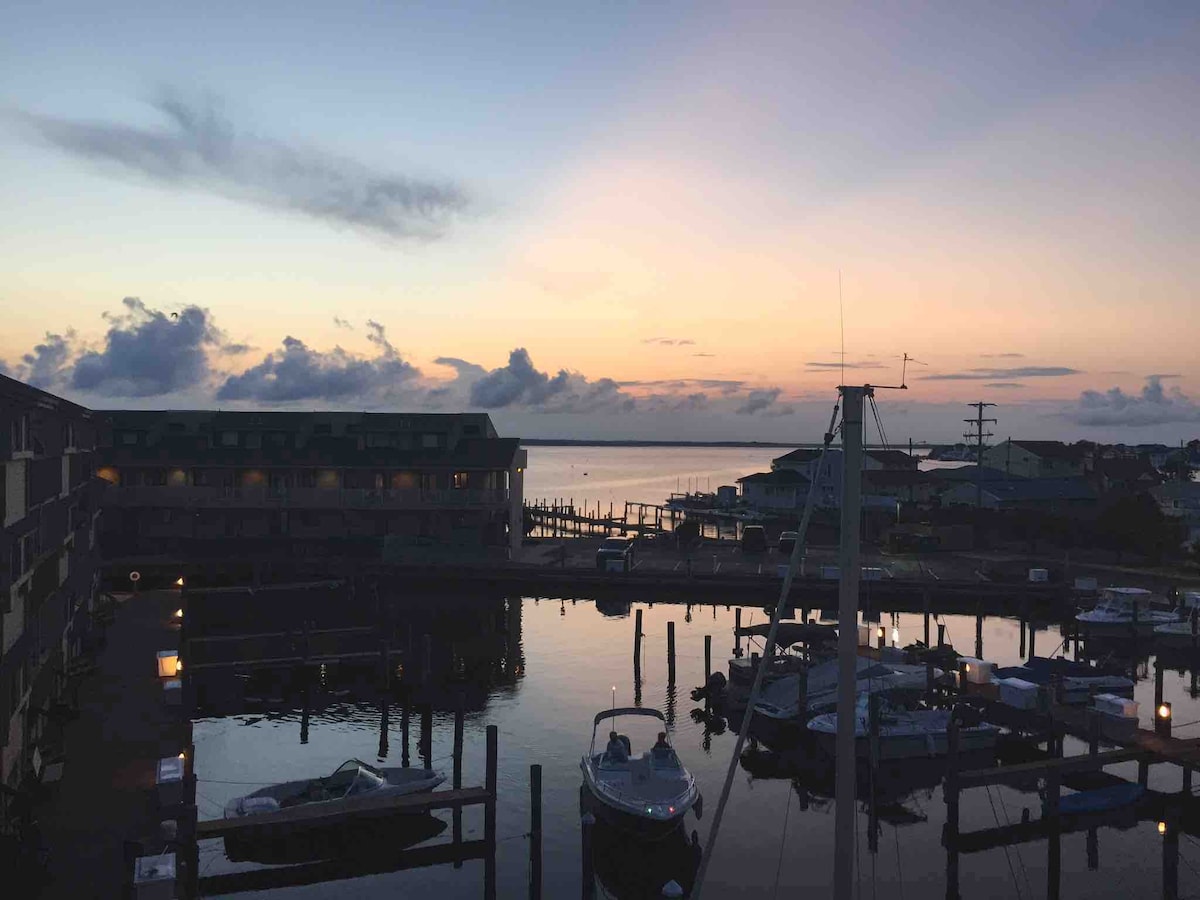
{"points": [[852, 433]]}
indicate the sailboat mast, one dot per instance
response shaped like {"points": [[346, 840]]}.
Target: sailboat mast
{"points": [[848, 561]]}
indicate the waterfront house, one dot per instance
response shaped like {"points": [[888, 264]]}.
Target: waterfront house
{"points": [[1181, 500], [1051, 495], [1036, 459]]}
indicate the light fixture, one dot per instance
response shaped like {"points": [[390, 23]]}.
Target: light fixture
{"points": [[895, 635], [179, 581], [179, 613], [1164, 711], [881, 632], [1162, 720], [966, 667], [1162, 827], [182, 755]]}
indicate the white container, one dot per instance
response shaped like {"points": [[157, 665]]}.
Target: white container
{"points": [[871, 573], [173, 692], [1085, 584], [1018, 693], [978, 671], [1039, 575], [1112, 705], [831, 573], [154, 877]]}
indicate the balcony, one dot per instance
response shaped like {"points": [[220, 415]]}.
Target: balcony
{"points": [[300, 498]]}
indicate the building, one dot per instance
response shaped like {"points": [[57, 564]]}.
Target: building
{"points": [[1181, 500], [1123, 474], [197, 484], [49, 509], [1050, 495], [779, 491], [1035, 459], [786, 486]]}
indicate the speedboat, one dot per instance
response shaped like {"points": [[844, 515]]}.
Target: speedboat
{"points": [[646, 795], [353, 778], [781, 699], [904, 733], [1079, 679], [1124, 610]]}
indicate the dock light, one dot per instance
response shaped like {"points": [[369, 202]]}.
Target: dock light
{"points": [[881, 632], [168, 663], [1162, 827], [1162, 720], [179, 613], [182, 755], [179, 581]]}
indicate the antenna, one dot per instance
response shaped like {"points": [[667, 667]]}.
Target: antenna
{"points": [[904, 369]]}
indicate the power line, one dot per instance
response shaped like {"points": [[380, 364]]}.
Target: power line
{"points": [[978, 435]]}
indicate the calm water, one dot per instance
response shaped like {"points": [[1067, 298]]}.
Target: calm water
{"points": [[558, 668]]}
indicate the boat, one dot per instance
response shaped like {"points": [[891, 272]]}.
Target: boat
{"points": [[1124, 610], [645, 795], [1079, 679], [780, 700], [353, 778], [349, 842], [1105, 799], [904, 733], [1177, 634]]}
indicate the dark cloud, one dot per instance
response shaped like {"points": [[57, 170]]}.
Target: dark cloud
{"points": [[765, 402], [1001, 374], [1002, 355], [1152, 406], [1003, 384], [236, 349], [725, 386], [342, 323], [669, 342], [148, 353], [461, 367], [709, 355], [46, 366], [297, 372], [520, 384], [199, 148], [850, 365]]}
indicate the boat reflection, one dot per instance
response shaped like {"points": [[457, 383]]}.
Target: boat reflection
{"points": [[363, 839]]}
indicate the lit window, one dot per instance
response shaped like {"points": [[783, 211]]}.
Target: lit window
{"points": [[460, 479]]}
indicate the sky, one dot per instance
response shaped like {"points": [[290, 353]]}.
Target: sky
{"points": [[621, 220]]}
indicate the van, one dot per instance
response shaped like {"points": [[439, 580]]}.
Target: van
{"points": [[754, 539], [615, 553]]}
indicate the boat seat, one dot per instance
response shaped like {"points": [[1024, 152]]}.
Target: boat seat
{"points": [[639, 768]]}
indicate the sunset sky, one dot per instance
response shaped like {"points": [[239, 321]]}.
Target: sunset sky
{"points": [[610, 220]]}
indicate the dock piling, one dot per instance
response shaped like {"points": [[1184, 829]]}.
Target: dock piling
{"points": [[459, 712], [670, 653], [425, 745], [737, 633], [1158, 685], [941, 634], [586, 823], [707, 659], [489, 815], [1170, 854], [979, 635], [1054, 839], [950, 794], [404, 726], [535, 832]]}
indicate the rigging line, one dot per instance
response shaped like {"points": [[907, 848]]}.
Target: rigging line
{"points": [[842, 326], [1008, 859], [784, 592], [1017, 847], [782, 843]]}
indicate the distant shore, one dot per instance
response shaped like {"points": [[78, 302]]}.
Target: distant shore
{"points": [[567, 442]]}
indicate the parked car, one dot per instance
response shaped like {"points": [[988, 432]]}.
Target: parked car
{"points": [[618, 549], [787, 541], [754, 539]]}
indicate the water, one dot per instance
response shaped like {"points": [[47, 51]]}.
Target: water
{"points": [[555, 667]]}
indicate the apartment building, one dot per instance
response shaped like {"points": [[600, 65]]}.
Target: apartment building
{"points": [[196, 484], [49, 510]]}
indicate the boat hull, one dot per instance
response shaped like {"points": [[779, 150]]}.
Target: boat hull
{"points": [[643, 828], [914, 746]]}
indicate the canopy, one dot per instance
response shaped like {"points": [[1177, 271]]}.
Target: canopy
{"points": [[627, 711]]}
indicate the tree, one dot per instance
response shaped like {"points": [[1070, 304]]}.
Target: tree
{"points": [[1135, 524]]}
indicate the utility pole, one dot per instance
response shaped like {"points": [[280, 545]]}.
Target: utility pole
{"points": [[978, 434]]}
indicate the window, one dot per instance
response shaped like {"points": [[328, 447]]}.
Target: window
{"points": [[431, 441], [20, 433], [68, 434], [253, 440], [229, 438], [460, 480], [128, 438]]}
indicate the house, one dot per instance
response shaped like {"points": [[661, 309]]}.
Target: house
{"points": [[1036, 459], [198, 483], [1124, 474], [906, 486], [1181, 500], [1053, 495], [780, 490], [49, 506]]}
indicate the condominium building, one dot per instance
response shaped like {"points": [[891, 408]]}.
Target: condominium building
{"points": [[49, 510], [196, 484]]}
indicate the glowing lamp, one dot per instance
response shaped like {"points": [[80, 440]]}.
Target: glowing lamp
{"points": [[966, 667], [168, 663], [895, 635], [881, 632], [1162, 720], [671, 810], [1162, 827], [179, 613], [179, 581]]}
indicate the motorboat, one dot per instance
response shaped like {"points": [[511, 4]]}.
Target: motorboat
{"points": [[1177, 634], [1079, 679], [781, 701], [646, 795], [353, 778], [1125, 610], [904, 733]]}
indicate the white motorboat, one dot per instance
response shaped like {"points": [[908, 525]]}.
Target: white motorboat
{"points": [[904, 734], [1124, 610], [646, 795], [353, 778], [1078, 680], [780, 700]]}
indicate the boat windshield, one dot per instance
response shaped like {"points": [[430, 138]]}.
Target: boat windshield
{"points": [[352, 777], [364, 782]]}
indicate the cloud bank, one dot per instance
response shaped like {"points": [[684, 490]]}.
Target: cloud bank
{"points": [[1152, 406], [199, 148], [1002, 374]]}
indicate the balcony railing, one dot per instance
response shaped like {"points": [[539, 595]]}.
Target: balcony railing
{"points": [[299, 498]]}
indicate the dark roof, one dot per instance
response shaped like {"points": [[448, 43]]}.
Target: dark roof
{"points": [[892, 477], [895, 458], [798, 456], [1033, 489], [968, 473], [1052, 450], [1127, 469], [779, 476]]}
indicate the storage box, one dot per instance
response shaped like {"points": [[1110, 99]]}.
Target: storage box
{"points": [[169, 780], [154, 877], [173, 691], [1112, 705], [978, 671], [1018, 693], [831, 573], [1039, 575]]}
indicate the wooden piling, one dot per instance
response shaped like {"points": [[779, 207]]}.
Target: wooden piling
{"points": [[979, 635], [459, 714], [950, 794], [707, 658], [535, 832], [1024, 629], [1170, 854], [1158, 685], [1032, 641], [670, 653], [941, 634], [1093, 848], [426, 742], [489, 814], [737, 633], [1054, 839], [407, 694]]}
